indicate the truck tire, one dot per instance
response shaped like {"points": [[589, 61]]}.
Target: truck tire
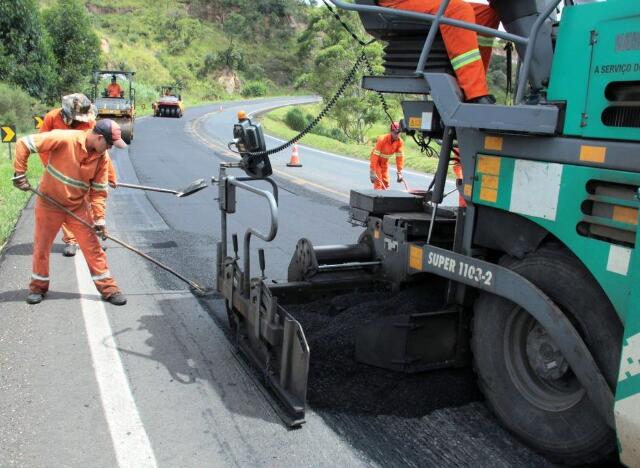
{"points": [[544, 405]]}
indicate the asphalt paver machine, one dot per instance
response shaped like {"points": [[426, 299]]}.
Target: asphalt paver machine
{"points": [[537, 276], [122, 108]]}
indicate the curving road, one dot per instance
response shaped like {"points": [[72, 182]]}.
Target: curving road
{"points": [[158, 383]]}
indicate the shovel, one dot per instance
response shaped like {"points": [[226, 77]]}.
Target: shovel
{"points": [[190, 189], [195, 287]]}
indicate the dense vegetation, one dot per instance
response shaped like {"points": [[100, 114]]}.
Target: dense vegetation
{"points": [[213, 48]]}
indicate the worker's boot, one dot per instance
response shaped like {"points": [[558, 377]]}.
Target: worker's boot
{"points": [[35, 298], [488, 99], [116, 299], [70, 250]]}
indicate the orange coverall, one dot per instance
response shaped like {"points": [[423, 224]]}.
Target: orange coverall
{"points": [[469, 52], [53, 121], [114, 90], [71, 175], [379, 161]]}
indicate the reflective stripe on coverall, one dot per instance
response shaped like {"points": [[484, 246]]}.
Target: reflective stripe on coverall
{"points": [[72, 175], [469, 53], [53, 121], [385, 148]]}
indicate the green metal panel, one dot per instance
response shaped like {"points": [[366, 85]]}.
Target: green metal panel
{"points": [[562, 219], [598, 44]]}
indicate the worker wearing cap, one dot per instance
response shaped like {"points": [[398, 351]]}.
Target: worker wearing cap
{"points": [[76, 113], [114, 90], [469, 52], [387, 146], [76, 169]]}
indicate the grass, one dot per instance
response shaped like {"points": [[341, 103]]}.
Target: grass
{"points": [[12, 200], [275, 125]]}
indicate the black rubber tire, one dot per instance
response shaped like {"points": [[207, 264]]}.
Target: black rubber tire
{"points": [[126, 126], [574, 434]]}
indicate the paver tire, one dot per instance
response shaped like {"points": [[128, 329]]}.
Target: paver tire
{"points": [[525, 379]]}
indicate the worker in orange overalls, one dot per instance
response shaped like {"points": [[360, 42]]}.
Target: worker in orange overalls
{"points": [[469, 53], [114, 90], [76, 169], [76, 113], [387, 146]]}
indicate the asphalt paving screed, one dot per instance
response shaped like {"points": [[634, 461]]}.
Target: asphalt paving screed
{"points": [[424, 419], [337, 381]]}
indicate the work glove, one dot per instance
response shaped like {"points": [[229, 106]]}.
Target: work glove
{"points": [[101, 228], [20, 181], [373, 177], [400, 177]]}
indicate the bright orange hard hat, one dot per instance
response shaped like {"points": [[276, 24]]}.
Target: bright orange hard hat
{"points": [[242, 115]]}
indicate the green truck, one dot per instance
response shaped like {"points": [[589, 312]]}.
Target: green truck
{"points": [[539, 272]]}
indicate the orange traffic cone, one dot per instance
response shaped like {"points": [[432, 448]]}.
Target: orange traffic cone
{"points": [[295, 159]]}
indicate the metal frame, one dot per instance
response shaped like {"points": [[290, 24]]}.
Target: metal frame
{"points": [[271, 339], [129, 74], [437, 19], [227, 201]]}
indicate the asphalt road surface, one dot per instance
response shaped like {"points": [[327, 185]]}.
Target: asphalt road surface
{"points": [[158, 382]]}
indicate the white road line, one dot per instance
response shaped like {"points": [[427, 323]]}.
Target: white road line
{"points": [[130, 440]]}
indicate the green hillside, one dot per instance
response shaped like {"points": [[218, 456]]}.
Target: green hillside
{"points": [[183, 42]]}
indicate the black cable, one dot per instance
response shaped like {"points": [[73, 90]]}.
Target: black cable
{"points": [[348, 80], [425, 146], [509, 49], [383, 101], [346, 26], [319, 117]]}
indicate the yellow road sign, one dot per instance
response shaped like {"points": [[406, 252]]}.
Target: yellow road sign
{"points": [[38, 120], [8, 133]]}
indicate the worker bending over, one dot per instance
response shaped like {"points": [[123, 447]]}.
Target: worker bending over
{"points": [[76, 113], [76, 168], [469, 53], [387, 146], [114, 90]]}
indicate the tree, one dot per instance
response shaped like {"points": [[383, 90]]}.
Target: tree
{"points": [[234, 28], [329, 51], [75, 45], [25, 52]]}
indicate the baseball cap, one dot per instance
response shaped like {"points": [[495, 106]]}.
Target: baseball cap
{"points": [[78, 107], [111, 132]]}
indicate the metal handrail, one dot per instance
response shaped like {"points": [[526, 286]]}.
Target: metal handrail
{"points": [[437, 19], [272, 199]]}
